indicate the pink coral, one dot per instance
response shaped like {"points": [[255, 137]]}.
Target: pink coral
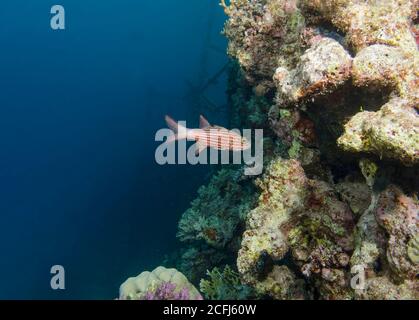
{"points": [[168, 291]]}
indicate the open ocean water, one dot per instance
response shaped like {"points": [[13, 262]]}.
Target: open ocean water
{"points": [[79, 108]]}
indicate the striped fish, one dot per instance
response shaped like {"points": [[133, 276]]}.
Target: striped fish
{"points": [[208, 136]]}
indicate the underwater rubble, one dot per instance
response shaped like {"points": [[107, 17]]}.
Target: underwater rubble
{"points": [[334, 85]]}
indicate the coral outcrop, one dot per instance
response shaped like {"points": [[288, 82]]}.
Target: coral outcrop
{"points": [[262, 36], [372, 48], [381, 288], [302, 217], [159, 284], [398, 215], [321, 69], [265, 240], [392, 132], [386, 58]]}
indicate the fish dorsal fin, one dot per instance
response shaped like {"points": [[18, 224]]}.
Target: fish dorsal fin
{"points": [[179, 131], [203, 123], [172, 124]]}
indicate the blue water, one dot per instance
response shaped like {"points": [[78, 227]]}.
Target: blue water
{"points": [[79, 186]]}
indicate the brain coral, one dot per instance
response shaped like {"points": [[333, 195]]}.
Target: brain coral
{"points": [[159, 284]]}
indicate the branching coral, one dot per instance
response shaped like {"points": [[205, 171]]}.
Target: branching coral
{"points": [[195, 260], [225, 285], [381, 288], [218, 210]]}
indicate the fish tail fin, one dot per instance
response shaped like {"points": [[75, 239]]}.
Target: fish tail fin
{"points": [[179, 132]]}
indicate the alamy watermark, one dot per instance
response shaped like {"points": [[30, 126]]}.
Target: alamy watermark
{"points": [[58, 19], [58, 279], [358, 278]]}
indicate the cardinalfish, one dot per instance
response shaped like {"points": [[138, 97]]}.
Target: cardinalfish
{"points": [[207, 136]]}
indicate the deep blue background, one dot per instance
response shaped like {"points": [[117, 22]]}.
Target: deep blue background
{"points": [[79, 109]]}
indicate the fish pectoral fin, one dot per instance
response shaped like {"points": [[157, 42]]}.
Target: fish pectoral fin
{"points": [[199, 148]]}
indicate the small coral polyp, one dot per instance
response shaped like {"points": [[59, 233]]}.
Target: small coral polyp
{"points": [[334, 83]]}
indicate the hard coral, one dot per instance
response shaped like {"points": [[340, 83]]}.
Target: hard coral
{"points": [[398, 215], [381, 288], [194, 260], [160, 284], [263, 35], [386, 59], [368, 22], [392, 132], [265, 238], [322, 68], [386, 55], [299, 215]]}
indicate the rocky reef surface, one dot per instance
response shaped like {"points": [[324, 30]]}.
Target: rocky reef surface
{"points": [[334, 85]]}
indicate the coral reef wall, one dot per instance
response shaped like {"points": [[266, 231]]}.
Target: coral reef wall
{"points": [[334, 85]]}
